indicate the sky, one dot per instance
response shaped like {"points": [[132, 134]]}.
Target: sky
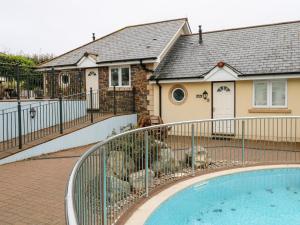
{"points": [[57, 26]]}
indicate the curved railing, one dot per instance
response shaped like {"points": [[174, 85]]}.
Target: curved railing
{"points": [[116, 173]]}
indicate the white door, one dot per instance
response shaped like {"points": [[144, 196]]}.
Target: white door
{"points": [[92, 81], [223, 107]]}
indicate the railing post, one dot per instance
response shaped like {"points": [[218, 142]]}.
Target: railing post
{"points": [[115, 102], [80, 80], [60, 115], [91, 105], [52, 82], [146, 140], [17, 70], [133, 100], [193, 150], [243, 142], [103, 199], [19, 124]]}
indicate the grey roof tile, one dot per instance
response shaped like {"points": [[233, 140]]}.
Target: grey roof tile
{"points": [[253, 50], [134, 42]]}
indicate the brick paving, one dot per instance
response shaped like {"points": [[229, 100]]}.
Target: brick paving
{"points": [[32, 192]]}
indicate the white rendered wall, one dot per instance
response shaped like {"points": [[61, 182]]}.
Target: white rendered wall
{"points": [[91, 134]]}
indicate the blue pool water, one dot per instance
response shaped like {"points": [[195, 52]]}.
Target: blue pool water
{"points": [[264, 197]]}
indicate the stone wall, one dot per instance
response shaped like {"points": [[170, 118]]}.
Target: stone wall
{"points": [[53, 85], [137, 94], [124, 96]]}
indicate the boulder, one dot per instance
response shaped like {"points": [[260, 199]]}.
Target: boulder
{"points": [[166, 161], [119, 164], [160, 144], [201, 157], [117, 189], [137, 179]]}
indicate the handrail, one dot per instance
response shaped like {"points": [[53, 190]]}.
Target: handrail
{"points": [[72, 217]]}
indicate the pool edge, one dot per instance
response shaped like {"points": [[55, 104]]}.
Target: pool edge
{"points": [[144, 211]]}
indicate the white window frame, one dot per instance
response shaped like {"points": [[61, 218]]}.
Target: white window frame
{"points": [[119, 76], [269, 94], [184, 94]]}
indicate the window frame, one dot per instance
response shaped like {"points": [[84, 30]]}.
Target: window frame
{"points": [[184, 94], [269, 94], [120, 76], [62, 75]]}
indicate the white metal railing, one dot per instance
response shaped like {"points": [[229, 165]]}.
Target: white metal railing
{"points": [[116, 173]]}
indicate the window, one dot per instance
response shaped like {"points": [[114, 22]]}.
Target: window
{"points": [[223, 89], [178, 94], [270, 93], [119, 77], [92, 73], [65, 78]]}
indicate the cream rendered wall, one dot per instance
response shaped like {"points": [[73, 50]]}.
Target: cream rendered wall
{"points": [[153, 99], [195, 108], [244, 99], [191, 109]]}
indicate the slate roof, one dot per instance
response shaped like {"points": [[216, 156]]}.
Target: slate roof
{"points": [[145, 41], [265, 49]]}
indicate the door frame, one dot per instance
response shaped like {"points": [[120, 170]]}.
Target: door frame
{"points": [[96, 106], [212, 105]]}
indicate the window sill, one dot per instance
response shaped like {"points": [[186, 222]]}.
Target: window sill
{"points": [[270, 110], [120, 89]]}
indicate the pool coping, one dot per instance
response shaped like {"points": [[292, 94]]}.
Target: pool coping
{"points": [[144, 211]]}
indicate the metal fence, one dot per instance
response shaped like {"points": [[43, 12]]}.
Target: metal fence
{"points": [[18, 81], [118, 172], [26, 124]]}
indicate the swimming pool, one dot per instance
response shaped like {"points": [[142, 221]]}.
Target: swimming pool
{"points": [[269, 197]]}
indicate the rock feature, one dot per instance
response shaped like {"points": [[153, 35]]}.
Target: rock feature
{"points": [[117, 189], [119, 164], [137, 179], [165, 161], [201, 157]]}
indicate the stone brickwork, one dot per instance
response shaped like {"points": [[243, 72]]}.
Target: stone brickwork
{"points": [[139, 79], [54, 85], [124, 96]]}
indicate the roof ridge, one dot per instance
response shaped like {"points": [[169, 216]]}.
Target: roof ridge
{"points": [[161, 21], [123, 28], [246, 27]]}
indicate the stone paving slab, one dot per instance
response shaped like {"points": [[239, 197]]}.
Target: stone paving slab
{"points": [[32, 192]]}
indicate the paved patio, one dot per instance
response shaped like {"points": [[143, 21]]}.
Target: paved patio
{"points": [[32, 192]]}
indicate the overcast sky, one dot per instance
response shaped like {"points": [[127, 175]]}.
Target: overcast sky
{"points": [[56, 26]]}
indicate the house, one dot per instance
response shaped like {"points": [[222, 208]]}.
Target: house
{"points": [[243, 72], [124, 59], [249, 71]]}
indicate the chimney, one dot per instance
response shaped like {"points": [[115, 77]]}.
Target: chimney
{"points": [[94, 37], [200, 35]]}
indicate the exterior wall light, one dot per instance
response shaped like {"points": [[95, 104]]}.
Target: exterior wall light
{"points": [[205, 95], [32, 112]]}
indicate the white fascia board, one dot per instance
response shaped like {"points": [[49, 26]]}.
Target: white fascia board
{"points": [[171, 42], [126, 63], [57, 68], [270, 77], [201, 80], [173, 81], [86, 61], [221, 74], [99, 65]]}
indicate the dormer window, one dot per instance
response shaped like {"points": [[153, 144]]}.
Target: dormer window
{"points": [[119, 77]]}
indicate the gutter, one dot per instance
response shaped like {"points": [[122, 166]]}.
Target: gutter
{"points": [[144, 67], [159, 94]]}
